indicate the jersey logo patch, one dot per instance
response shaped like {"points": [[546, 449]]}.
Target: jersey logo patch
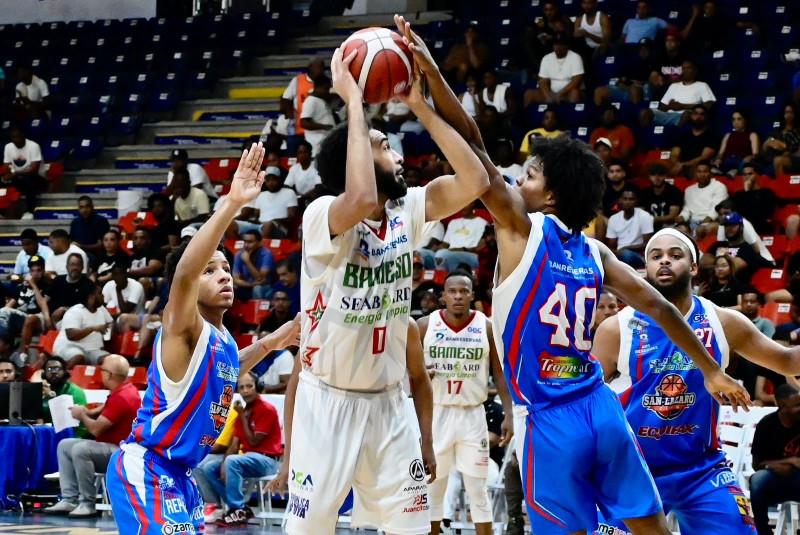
{"points": [[562, 367], [671, 398], [308, 354], [219, 411], [316, 312]]}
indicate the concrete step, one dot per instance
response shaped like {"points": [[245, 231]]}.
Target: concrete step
{"points": [[70, 200], [252, 87], [116, 174], [159, 155], [215, 109], [315, 44], [347, 24], [224, 130], [289, 64]]}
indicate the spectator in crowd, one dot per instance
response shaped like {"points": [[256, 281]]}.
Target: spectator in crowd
{"points": [[30, 247], [698, 143], [776, 456], [708, 31], [288, 283], [166, 234], [551, 23], [643, 26], [471, 98], [213, 511], [497, 95], [32, 93], [427, 253], [31, 311], [602, 147], [492, 129], [756, 204], [701, 199], [465, 58], [630, 229], [81, 337], [739, 146], [396, 113], [461, 240], [296, 93], [63, 248], [560, 75], [303, 176], [745, 258], [8, 371], [620, 136], [394, 140], [279, 314], [780, 150], [274, 372], [420, 287], [750, 235], [617, 183], [88, 228], [68, 290], [55, 382], [607, 307], [148, 261], [549, 129], [725, 289], [252, 267], [122, 295], [191, 204], [663, 200], [198, 178], [504, 160], [275, 207], [669, 68], [111, 255], [318, 117], [79, 459], [788, 333], [257, 434], [595, 29], [25, 169], [681, 98], [752, 301], [635, 74]]}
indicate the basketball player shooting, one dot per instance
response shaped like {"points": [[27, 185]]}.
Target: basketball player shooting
{"points": [[349, 427], [579, 452], [192, 379]]}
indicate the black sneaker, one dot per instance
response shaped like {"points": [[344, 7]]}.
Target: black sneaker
{"points": [[236, 518]]}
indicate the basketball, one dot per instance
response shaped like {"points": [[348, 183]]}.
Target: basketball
{"points": [[382, 66]]}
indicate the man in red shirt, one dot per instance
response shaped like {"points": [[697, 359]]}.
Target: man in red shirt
{"points": [[79, 459], [620, 136], [257, 434]]}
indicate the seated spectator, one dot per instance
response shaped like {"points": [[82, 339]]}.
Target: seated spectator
{"points": [[750, 235], [752, 301], [166, 234], [607, 307], [680, 98], [620, 136], [288, 283], [471, 98], [696, 143], [546, 27], [191, 204], [560, 75], [303, 176], [549, 129], [63, 248], [669, 67], [79, 459], [148, 261], [111, 255], [198, 178], [663, 200], [617, 183], [80, 340], [497, 95], [280, 313], [30, 247], [780, 150], [504, 160], [8, 371], [214, 511], [725, 289], [595, 28], [252, 268], [257, 434], [434, 231], [55, 382], [461, 240], [122, 295], [465, 58], [745, 259], [602, 147], [420, 287], [32, 93], [25, 171], [701, 199], [643, 26], [756, 204], [274, 372], [88, 228], [492, 129], [275, 207], [629, 87], [739, 146], [629, 230], [788, 333], [710, 30], [317, 117], [28, 313], [68, 290], [775, 457], [296, 93]]}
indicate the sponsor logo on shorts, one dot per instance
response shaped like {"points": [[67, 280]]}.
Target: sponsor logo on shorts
{"points": [[301, 481], [723, 478], [174, 529], [675, 363], [745, 511], [416, 470], [671, 398], [175, 505], [605, 529], [562, 367], [418, 504], [227, 372], [297, 506], [414, 490], [666, 431], [219, 411]]}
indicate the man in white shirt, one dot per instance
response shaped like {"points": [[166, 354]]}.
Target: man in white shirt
{"points": [[121, 294], [80, 339], [629, 229], [317, 116], [303, 176], [197, 175], [681, 97], [32, 92], [25, 171], [275, 207], [461, 240], [560, 75], [191, 204], [700, 201], [30, 247], [62, 247]]}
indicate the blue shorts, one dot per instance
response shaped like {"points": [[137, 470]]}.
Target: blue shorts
{"points": [[580, 455], [705, 497], [152, 495]]}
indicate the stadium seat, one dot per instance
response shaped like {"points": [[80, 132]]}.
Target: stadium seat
{"points": [[46, 342], [87, 148], [734, 184], [767, 280], [8, 196], [137, 375], [219, 169], [87, 377], [252, 312], [777, 313], [785, 187], [777, 245], [126, 222], [244, 340]]}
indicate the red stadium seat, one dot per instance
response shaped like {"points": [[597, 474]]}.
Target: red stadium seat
{"points": [[782, 214], [641, 182], [777, 246], [777, 313], [680, 182], [244, 340], [785, 186], [137, 375], [87, 377], [46, 342], [128, 224], [8, 196], [768, 280], [281, 249], [234, 246], [483, 213], [251, 312], [734, 184], [220, 169]]}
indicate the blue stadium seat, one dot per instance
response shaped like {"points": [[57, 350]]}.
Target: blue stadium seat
{"points": [[608, 67], [131, 103], [163, 102], [141, 82], [725, 83], [786, 37], [656, 137], [56, 149], [574, 114], [64, 127], [767, 108], [124, 125], [581, 132], [762, 81], [37, 129], [754, 60], [96, 125], [87, 148]]}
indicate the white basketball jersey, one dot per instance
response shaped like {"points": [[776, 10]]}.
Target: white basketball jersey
{"points": [[460, 359], [355, 290]]}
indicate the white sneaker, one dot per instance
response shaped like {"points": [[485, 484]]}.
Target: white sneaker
{"points": [[61, 508], [27, 215], [213, 513], [83, 510]]}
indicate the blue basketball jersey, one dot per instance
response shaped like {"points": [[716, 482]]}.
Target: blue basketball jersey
{"points": [[181, 421], [667, 405], [542, 313]]}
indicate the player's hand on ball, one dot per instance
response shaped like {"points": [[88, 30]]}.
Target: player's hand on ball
{"points": [[423, 58], [343, 82], [507, 430], [429, 461], [248, 178], [725, 389], [278, 486]]}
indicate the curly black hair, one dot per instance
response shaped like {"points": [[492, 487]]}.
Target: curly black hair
{"points": [[575, 175], [331, 159], [175, 256]]}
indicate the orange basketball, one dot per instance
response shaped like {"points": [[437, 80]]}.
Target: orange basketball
{"points": [[673, 385], [382, 66]]}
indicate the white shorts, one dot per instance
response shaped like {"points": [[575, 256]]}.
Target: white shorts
{"points": [[461, 440], [70, 351], [364, 441]]}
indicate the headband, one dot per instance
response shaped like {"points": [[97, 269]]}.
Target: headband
{"points": [[677, 234]]}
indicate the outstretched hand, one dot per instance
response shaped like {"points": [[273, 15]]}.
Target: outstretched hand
{"points": [[248, 178], [423, 58], [725, 389]]}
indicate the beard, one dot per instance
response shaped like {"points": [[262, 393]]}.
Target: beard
{"points": [[390, 184], [672, 289]]}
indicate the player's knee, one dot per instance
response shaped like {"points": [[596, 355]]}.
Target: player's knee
{"points": [[480, 507]]}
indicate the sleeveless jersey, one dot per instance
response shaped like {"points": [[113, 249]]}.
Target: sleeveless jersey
{"points": [[667, 405], [460, 358], [541, 315], [181, 421], [356, 294]]}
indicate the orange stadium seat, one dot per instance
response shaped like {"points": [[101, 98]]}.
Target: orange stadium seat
{"points": [[46, 342], [777, 313], [251, 312], [768, 280], [128, 224], [137, 375], [785, 186], [777, 246], [87, 377]]}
